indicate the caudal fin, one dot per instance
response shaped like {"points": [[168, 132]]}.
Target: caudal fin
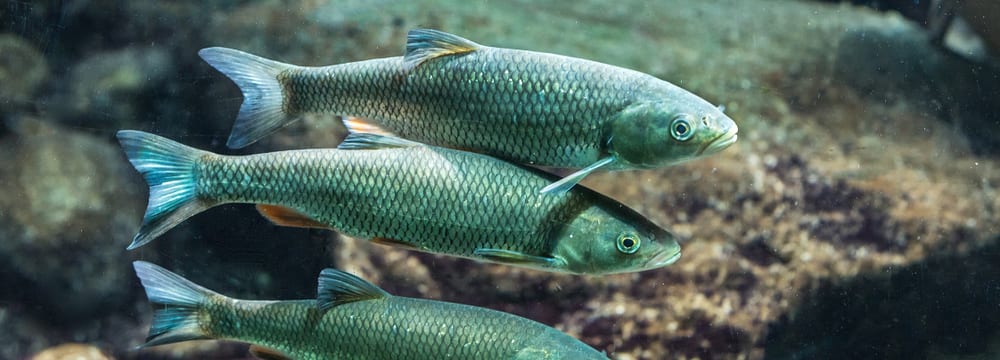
{"points": [[262, 111], [181, 298], [168, 167]]}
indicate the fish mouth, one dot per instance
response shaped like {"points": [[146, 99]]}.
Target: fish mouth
{"points": [[721, 142], [663, 259]]}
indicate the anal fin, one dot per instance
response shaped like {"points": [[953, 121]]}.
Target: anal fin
{"points": [[264, 353], [365, 126], [280, 215], [395, 243], [363, 134]]}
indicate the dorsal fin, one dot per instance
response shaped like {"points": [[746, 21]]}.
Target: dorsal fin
{"points": [[337, 287], [367, 141], [426, 44]]}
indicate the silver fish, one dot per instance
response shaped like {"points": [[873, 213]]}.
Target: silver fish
{"points": [[402, 193], [350, 319], [524, 106]]}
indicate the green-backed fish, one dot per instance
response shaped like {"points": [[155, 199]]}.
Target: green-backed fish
{"points": [[524, 106], [350, 319], [399, 192]]}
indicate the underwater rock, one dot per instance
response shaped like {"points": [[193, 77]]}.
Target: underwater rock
{"points": [[894, 63], [983, 16], [72, 351], [874, 315], [69, 211], [851, 163], [192, 350], [22, 335], [830, 179], [23, 70], [113, 89], [147, 51], [937, 16]]}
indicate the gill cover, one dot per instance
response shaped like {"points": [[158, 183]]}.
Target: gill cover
{"points": [[651, 134]]}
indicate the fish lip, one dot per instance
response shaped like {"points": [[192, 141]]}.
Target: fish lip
{"points": [[721, 142], [663, 259]]}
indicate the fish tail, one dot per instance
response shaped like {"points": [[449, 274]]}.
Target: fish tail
{"points": [[263, 109], [181, 300], [168, 167]]}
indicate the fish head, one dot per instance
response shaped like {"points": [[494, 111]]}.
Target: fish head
{"points": [[614, 239], [657, 134]]}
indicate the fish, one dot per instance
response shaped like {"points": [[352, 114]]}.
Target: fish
{"points": [[350, 319], [523, 106], [402, 193]]}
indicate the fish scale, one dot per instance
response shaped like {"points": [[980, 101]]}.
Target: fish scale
{"points": [[350, 319], [375, 329], [421, 192], [435, 101], [403, 193], [523, 106]]}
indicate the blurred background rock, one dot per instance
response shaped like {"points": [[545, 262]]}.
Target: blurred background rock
{"points": [[858, 206]]}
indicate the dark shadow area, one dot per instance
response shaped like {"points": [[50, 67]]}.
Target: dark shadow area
{"points": [[892, 66], [236, 252], [946, 304]]}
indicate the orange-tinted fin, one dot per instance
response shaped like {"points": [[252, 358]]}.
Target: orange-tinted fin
{"points": [[394, 242], [362, 125], [261, 352], [280, 215], [426, 44]]}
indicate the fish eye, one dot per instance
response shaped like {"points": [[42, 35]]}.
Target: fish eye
{"points": [[680, 129], [628, 243]]}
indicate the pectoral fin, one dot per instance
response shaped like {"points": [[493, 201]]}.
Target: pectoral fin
{"points": [[566, 183], [280, 215], [518, 258], [264, 353]]}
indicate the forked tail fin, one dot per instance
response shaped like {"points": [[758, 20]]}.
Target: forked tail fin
{"points": [[182, 299], [263, 110], [168, 167]]}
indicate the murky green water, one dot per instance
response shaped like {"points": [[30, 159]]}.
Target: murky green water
{"points": [[855, 217]]}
